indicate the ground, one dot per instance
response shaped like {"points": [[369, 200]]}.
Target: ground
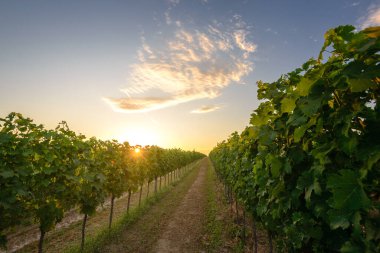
{"points": [[185, 229]]}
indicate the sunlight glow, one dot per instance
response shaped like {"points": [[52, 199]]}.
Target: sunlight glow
{"points": [[137, 150]]}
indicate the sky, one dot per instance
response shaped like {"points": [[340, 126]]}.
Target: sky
{"points": [[173, 73]]}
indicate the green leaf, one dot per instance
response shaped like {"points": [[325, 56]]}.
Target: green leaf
{"points": [[288, 104], [308, 182], [356, 223], [266, 135], [275, 164], [347, 190], [348, 144], [296, 118], [321, 152], [338, 219], [309, 106], [299, 133], [313, 187], [50, 170], [287, 167], [372, 160], [319, 126], [262, 114], [45, 182], [304, 86], [359, 85], [7, 174], [348, 247], [36, 156]]}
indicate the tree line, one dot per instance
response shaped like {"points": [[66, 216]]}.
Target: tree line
{"points": [[44, 173]]}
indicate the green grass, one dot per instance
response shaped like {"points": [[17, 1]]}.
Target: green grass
{"points": [[94, 243], [214, 226], [222, 232]]}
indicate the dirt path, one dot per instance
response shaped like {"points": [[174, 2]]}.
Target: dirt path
{"points": [[185, 229], [172, 223]]}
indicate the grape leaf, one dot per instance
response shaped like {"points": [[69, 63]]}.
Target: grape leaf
{"points": [[347, 191], [309, 106], [338, 219], [7, 174], [304, 86], [299, 132], [359, 85], [288, 104]]}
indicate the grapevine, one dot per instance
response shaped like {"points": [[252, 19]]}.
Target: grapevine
{"points": [[308, 165]]}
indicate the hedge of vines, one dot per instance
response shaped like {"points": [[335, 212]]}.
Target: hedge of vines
{"points": [[308, 165], [44, 173]]}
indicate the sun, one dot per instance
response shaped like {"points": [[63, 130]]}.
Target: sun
{"points": [[137, 150]]}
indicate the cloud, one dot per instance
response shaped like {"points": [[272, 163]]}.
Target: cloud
{"points": [[139, 104], [243, 44], [193, 64], [312, 38], [355, 4], [372, 18], [270, 30], [206, 109], [174, 2], [168, 19]]}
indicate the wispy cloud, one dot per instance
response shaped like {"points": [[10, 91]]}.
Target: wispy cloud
{"points": [[174, 2], [206, 109], [270, 30], [372, 18], [142, 104], [312, 38], [193, 64], [355, 4], [168, 19]]}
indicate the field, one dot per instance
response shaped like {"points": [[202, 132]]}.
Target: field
{"points": [[300, 171]]}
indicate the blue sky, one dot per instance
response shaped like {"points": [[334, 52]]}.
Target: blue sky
{"points": [[175, 73]]}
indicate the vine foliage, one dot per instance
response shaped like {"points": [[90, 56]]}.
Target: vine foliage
{"points": [[308, 165], [44, 173]]}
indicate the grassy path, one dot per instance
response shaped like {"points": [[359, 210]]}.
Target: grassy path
{"points": [[192, 217], [143, 235], [227, 230], [184, 231]]}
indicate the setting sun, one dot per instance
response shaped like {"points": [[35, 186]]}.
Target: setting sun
{"points": [[137, 150]]}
